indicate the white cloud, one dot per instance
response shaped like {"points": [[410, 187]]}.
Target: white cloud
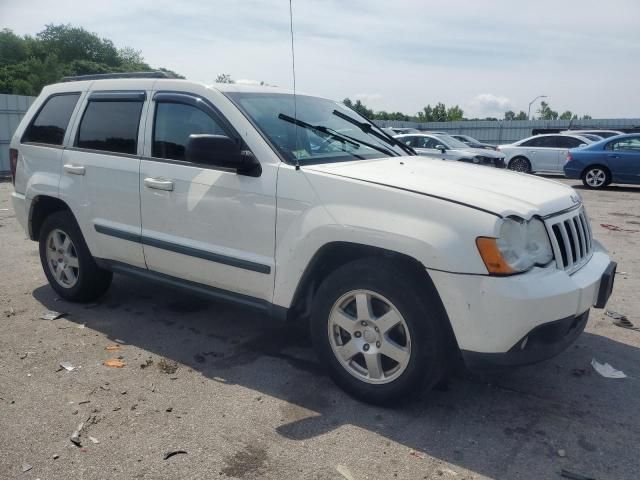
{"points": [[488, 104]]}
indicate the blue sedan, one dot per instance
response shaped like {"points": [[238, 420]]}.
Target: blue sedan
{"points": [[612, 160]]}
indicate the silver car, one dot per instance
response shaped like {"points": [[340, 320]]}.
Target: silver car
{"points": [[445, 147]]}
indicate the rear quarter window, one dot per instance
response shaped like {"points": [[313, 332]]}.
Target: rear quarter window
{"points": [[50, 123]]}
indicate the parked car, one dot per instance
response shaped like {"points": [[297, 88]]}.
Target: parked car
{"points": [[307, 212], [613, 160], [600, 133], [389, 131], [445, 147], [541, 153], [472, 142], [403, 130]]}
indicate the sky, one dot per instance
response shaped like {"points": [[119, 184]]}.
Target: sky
{"points": [[485, 56]]}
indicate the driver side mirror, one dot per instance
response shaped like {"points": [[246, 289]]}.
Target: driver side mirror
{"points": [[221, 151], [442, 148]]}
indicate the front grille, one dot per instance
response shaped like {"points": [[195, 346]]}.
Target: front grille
{"points": [[570, 235]]}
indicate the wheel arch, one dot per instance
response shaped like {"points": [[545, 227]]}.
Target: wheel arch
{"points": [[41, 207], [335, 254]]}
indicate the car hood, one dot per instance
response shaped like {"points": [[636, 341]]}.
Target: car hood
{"points": [[497, 191]]}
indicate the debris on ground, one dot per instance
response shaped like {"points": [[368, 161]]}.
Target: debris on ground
{"points": [[417, 454], [82, 325], [620, 320], [607, 370], [52, 315], [562, 453], [67, 366], [114, 363], [56, 456], [345, 472], [148, 362], [615, 228], [112, 348], [574, 476], [26, 467], [167, 366], [170, 454], [94, 440], [118, 340], [578, 372], [9, 313], [75, 436]]}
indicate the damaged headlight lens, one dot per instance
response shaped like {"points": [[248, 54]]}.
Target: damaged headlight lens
{"points": [[521, 245]]}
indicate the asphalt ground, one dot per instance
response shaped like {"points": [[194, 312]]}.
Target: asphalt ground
{"points": [[245, 398]]}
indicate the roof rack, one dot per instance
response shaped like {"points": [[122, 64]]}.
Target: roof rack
{"points": [[105, 76]]}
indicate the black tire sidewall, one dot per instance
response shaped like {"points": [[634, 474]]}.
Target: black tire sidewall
{"points": [[423, 318], [92, 280]]}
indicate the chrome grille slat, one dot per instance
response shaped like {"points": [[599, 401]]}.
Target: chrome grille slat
{"points": [[570, 235]]}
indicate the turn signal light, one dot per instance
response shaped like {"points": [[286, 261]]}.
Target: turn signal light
{"points": [[569, 156], [491, 256]]}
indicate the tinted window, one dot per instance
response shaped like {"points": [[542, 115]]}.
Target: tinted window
{"points": [[110, 126], [174, 122], [567, 142], [628, 144], [534, 142], [52, 120]]}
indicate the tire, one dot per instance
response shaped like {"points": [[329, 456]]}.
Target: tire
{"points": [[520, 164], [385, 291], [595, 177], [63, 250]]}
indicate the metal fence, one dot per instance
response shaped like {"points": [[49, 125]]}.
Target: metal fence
{"points": [[498, 132], [12, 109]]}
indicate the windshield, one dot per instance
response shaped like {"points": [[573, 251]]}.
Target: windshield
{"points": [[451, 142], [320, 131]]}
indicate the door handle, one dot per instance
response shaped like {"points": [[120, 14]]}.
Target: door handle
{"points": [[158, 184], [74, 169]]}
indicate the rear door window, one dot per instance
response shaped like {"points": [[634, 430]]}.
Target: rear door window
{"points": [[534, 142], [51, 122], [110, 126], [568, 142]]}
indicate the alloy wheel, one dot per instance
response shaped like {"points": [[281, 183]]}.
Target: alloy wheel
{"points": [[596, 177], [519, 165], [62, 258], [369, 337]]}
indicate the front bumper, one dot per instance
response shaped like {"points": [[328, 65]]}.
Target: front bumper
{"points": [[492, 316]]}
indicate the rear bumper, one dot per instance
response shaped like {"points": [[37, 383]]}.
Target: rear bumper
{"points": [[572, 170]]}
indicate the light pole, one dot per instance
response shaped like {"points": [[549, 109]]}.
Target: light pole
{"points": [[531, 103]]}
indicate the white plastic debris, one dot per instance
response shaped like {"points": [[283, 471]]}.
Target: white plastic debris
{"points": [[345, 472], [94, 440], [67, 366], [607, 370], [51, 315]]}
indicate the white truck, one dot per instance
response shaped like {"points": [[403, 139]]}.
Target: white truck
{"points": [[297, 206]]}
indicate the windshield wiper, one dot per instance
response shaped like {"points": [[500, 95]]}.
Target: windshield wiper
{"points": [[356, 142], [367, 128]]}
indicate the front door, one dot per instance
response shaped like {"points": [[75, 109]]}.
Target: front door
{"points": [[200, 223]]}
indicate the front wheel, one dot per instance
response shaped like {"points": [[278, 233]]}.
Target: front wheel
{"points": [[71, 270], [596, 177], [381, 339], [520, 164]]}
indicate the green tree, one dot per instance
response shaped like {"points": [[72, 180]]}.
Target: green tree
{"points": [[546, 113], [455, 113], [509, 115], [586, 117], [567, 115], [521, 116], [29, 63], [224, 78], [439, 112]]}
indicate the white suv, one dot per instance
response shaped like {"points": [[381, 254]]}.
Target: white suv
{"points": [[541, 153], [302, 209]]}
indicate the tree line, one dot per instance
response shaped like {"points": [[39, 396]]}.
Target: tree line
{"points": [[29, 63]]}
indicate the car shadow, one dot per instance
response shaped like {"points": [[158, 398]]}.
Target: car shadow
{"points": [[509, 424]]}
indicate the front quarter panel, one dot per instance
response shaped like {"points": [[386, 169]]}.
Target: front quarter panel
{"points": [[316, 208]]}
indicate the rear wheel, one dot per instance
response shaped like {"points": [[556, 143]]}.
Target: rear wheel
{"points": [[380, 337], [520, 164], [71, 270], [596, 177]]}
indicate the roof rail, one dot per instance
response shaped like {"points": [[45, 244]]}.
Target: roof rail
{"points": [[105, 76]]}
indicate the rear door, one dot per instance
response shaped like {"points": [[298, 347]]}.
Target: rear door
{"points": [[201, 223], [623, 157], [100, 177]]}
